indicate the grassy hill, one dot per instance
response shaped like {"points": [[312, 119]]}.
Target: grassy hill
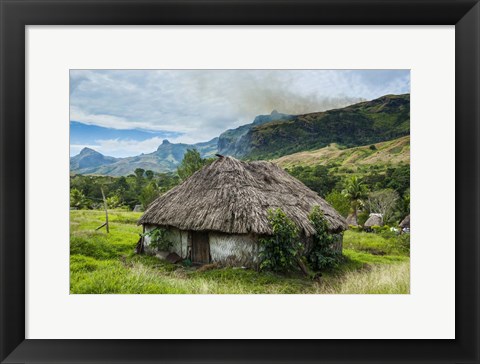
{"points": [[393, 152], [365, 123]]}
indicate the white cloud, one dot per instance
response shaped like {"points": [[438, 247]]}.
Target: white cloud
{"points": [[201, 104], [127, 148]]}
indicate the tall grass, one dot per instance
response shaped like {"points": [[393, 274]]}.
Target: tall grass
{"points": [[106, 263], [378, 279]]}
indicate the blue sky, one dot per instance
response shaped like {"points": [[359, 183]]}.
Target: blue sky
{"points": [[127, 112]]}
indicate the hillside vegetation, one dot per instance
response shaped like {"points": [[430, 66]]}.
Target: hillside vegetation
{"points": [[233, 142], [365, 123], [393, 152]]}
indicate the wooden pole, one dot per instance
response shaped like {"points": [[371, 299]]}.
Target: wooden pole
{"points": [[106, 211]]}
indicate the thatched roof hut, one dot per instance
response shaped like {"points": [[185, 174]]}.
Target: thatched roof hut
{"points": [[405, 223], [374, 220], [232, 198], [352, 220]]}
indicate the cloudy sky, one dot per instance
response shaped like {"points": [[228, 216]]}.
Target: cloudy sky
{"points": [[127, 112]]}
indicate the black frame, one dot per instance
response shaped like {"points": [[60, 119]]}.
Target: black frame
{"points": [[16, 14]]}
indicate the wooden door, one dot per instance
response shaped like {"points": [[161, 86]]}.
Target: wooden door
{"points": [[200, 247]]}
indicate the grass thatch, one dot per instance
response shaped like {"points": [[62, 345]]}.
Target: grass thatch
{"points": [[374, 220], [405, 222], [234, 197]]}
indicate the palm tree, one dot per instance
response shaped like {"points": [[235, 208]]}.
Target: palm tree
{"points": [[355, 191]]}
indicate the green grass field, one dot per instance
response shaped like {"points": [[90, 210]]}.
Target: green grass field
{"points": [[106, 263]]}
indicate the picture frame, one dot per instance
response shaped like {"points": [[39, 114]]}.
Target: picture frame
{"points": [[16, 15]]}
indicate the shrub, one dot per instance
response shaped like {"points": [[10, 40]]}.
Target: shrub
{"points": [[376, 229], [355, 228], [279, 252], [159, 240], [77, 199], [149, 194], [386, 232], [339, 202], [362, 217], [322, 254], [403, 243]]}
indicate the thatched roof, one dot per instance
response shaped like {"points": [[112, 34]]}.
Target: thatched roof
{"points": [[405, 222], [374, 220], [233, 196], [352, 220]]}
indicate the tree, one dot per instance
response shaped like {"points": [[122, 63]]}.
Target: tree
{"points": [[322, 254], [192, 162], [139, 172], [114, 201], [149, 174], [280, 251], [77, 199], [355, 191], [318, 178], [339, 202], [382, 202], [398, 178], [148, 194]]}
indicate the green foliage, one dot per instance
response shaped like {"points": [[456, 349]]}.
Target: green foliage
{"points": [[122, 191], [149, 194], [355, 191], [139, 172], [403, 243], [339, 202], [149, 174], [114, 201], [403, 207], [77, 199], [159, 239], [398, 179], [192, 162], [322, 256], [279, 252], [317, 178], [382, 243], [139, 181], [376, 229], [362, 217]]}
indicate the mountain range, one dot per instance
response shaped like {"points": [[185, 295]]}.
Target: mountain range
{"points": [[165, 159], [271, 136]]}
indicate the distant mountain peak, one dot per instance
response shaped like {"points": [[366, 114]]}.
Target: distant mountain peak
{"points": [[88, 150], [274, 112], [89, 158], [165, 143]]}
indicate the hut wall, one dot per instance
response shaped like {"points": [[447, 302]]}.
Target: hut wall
{"points": [[235, 250], [178, 237], [338, 243], [226, 249]]}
